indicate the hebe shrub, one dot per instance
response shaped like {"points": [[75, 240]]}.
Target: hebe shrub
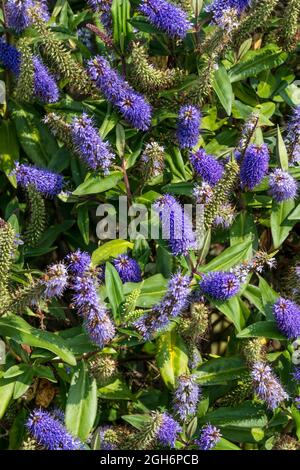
{"points": [[116, 117]]}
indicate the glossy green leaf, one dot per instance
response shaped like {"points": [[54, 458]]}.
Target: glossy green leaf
{"points": [[114, 289], [223, 88], [171, 358], [280, 224], [20, 331], [110, 249], [98, 184], [267, 329], [81, 405]]}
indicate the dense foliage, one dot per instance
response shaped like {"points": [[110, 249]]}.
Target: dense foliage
{"points": [[185, 341]]}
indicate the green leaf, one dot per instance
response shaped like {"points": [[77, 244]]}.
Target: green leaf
{"points": [[110, 249], [223, 88], [252, 294], [171, 358], [220, 371], [17, 431], [20, 331], [120, 11], [281, 150], [244, 229], [142, 24], [114, 289], [256, 61], [120, 140], [81, 406], [246, 415], [268, 296], [235, 310], [152, 290], [280, 224], [83, 223], [295, 214], [34, 138], [267, 329], [117, 390], [6, 393], [98, 184], [23, 383], [9, 148], [229, 257], [223, 444], [175, 161], [137, 421]]}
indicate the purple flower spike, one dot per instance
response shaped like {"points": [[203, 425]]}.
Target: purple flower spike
{"points": [[78, 262], [166, 16], [220, 285], [186, 396], [133, 106], [50, 432], [168, 431], [206, 166], [55, 280], [209, 437], [92, 149], [45, 87], [188, 126], [266, 385], [46, 182], [17, 13], [128, 269], [254, 165], [287, 316], [282, 185], [176, 225]]}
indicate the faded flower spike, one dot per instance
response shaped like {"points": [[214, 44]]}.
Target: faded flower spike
{"points": [[128, 269], [282, 185], [55, 280], [220, 285], [266, 385], [17, 13], [186, 396], [254, 165], [206, 166], [171, 305], [176, 225], [152, 161], [292, 139], [203, 193], [100, 5], [287, 316], [209, 436], [188, 126], [219, 7], [46, 182], [108, 438], [88, 144], [225, 216], [166, 16], [95, 316], [98, 325], [132, 106], [50, 432]]}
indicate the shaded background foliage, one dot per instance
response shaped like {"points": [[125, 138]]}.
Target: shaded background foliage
{"points": [[51, 362]]}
